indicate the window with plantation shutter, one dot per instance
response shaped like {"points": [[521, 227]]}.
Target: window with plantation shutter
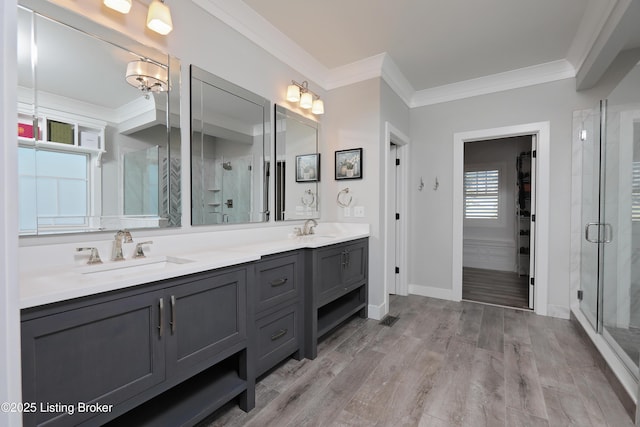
{"points": [[635, 192], [481, 189]]}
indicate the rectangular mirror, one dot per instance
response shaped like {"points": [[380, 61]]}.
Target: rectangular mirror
{"points": [[297, 168], [98, 127], [229, 166]]}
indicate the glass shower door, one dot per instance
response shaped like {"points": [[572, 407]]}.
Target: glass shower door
{"points": [[620, 212], [588, 128]]}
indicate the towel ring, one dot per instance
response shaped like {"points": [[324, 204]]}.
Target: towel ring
{"points": [[308, 194], [344, 199]]}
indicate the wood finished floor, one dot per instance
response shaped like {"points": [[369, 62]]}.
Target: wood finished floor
{"points": [[495, 287], [441, 364]]}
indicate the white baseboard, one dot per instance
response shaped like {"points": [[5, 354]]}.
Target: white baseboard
{"points": [[430, 291], [559, 311], [376, 312]]}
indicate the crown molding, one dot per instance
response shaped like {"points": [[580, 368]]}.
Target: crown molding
{"points": [[246, 21], [523, 77], [591, 26], [359, 71]]}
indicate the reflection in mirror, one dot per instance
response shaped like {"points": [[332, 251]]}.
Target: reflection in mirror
{"points": [[297, 166], [98, 148], [229, 170]]}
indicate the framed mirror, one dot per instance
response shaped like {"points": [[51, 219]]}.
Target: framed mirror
{"points": [[297, 166], [98, 127], [229, 165]]}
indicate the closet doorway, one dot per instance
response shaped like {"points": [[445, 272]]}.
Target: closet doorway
{"points": [[499, 221]]}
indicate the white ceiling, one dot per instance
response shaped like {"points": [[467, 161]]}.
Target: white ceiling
{"points": [[437, 42]]}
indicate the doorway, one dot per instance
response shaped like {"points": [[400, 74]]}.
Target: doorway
{"points": [[396, 184], [498, 232], [541, 131]]}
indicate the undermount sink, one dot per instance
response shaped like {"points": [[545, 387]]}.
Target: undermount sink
{"points": [[132, 266]]}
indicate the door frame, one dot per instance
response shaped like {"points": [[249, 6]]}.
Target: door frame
{"points": [[541, 273], [392, 134]]}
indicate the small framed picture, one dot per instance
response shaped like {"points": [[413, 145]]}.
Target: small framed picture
{"points": [[349, 164], [308, 168]]}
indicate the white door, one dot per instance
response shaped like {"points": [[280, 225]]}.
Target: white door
{"points": [[532, 227], [392, 210]]}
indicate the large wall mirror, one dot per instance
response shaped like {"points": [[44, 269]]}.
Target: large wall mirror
{"points": [[229, 166], [297, 166], [98, 127]]}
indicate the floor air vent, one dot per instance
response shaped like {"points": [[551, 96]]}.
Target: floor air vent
{"points": [[389, 320]]}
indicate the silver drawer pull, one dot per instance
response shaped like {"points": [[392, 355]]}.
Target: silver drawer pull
{"points": [[173, 314], [161, 320], [279, 282], [279, 334]]}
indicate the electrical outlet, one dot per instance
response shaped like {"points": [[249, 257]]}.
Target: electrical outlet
{"points": [[347, 211], [358, 211]]}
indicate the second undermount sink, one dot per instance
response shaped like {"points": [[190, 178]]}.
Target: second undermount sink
{"points": [[133, 266]]}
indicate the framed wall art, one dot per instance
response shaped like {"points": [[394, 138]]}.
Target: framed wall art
{"points": [[349, 164]]}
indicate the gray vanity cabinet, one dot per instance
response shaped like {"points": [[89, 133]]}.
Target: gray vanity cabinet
{"points": [[103, 352], [337, 282], [205, 317], [278, 309], [165, 353]]}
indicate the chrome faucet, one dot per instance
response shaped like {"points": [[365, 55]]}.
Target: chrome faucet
{"points": [[308, 229], [122, 236]]}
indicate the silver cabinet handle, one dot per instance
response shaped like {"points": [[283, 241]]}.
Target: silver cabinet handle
{"points": [[161, 306], [279, 334], [279, 282], [173, 314], [344, 259]]}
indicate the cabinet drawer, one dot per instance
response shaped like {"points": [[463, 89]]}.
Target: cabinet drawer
{"points": [[278, 335], [277, 281]]}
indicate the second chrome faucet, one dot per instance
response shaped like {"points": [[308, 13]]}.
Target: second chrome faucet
{"points": [[122, 236]]}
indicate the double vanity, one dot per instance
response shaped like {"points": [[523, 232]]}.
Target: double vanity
{"points": [[167, 339]]}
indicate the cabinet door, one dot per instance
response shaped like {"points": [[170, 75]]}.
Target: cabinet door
{"points": [[329, 263], [105, 353], [355, 265], [206, 316]]}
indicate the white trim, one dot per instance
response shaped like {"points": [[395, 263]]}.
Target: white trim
{"points": [[542, 130], [10, 370], [392, 134], [523, 77], [239, 16], [250, 24], [431, 292], [377, 312]]}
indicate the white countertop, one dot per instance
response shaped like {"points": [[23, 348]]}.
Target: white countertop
{"points": [[73, 280]]}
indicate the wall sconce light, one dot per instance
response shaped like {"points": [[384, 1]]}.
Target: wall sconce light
{"points": [[158, 15], [147, 76], [122, 6], [299, 92], [159, 18]]}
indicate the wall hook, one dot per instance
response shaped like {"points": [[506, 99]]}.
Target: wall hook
{"points": [[421, 185], [436, 185]]}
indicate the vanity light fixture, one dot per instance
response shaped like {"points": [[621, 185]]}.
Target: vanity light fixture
{"points": [[122, 6], [147, 76], [158, 15], [299, 92], [159, 18]]}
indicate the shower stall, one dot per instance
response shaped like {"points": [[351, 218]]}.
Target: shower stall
{"points": [[606, 226]]}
